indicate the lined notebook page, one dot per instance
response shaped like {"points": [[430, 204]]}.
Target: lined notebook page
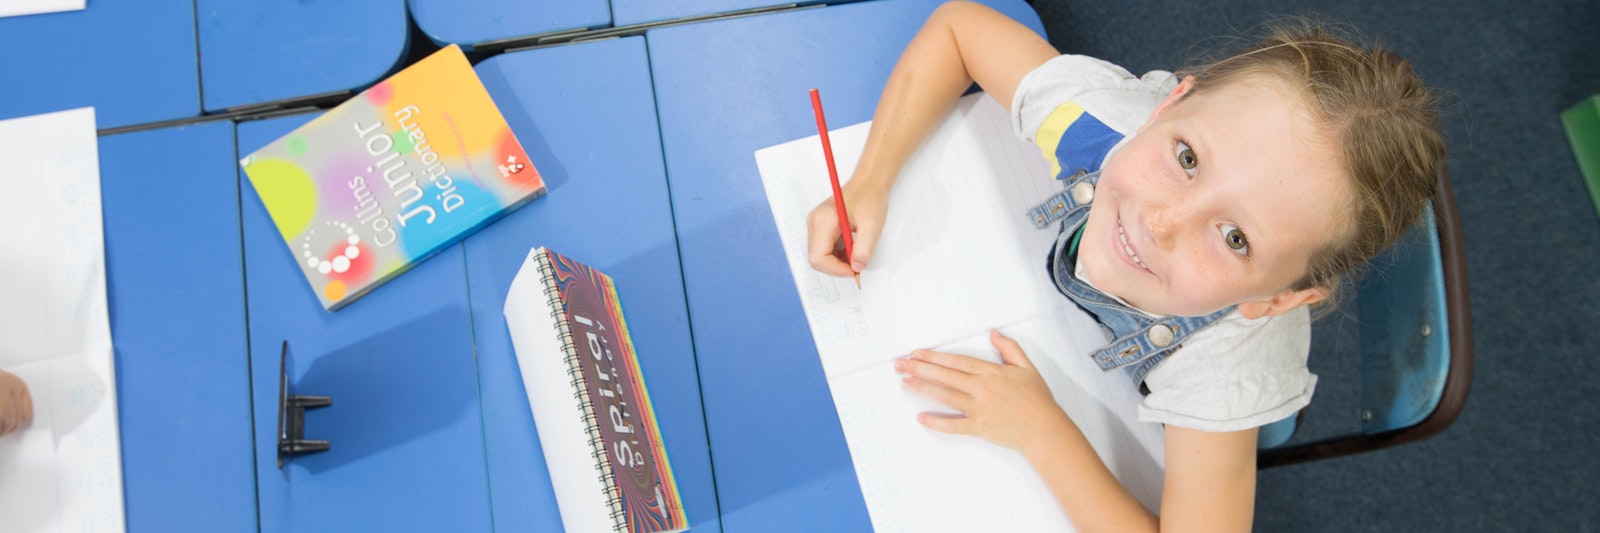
{"points": [[950, 226], [64, 472], [956, 258]]}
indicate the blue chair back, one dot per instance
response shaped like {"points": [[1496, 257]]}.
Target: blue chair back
{"points": [[1415, 347]]}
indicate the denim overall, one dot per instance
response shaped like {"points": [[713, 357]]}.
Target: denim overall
{"points": [[1137, 342]]}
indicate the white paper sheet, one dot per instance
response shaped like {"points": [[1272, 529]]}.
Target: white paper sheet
{"points": [[956, 258], [64, 472], [13, 8]]}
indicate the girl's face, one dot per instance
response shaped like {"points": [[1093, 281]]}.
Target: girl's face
{"points": [[1219, 199]]}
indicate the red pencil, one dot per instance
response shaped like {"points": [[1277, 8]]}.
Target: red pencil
{"points": [[833, 176]]}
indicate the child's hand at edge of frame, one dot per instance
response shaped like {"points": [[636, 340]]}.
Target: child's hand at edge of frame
{"points": [[1007, 404], [16, 404], [868, 206]]}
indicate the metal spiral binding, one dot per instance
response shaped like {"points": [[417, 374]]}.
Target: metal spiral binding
{"points": [[619, 521], [591, 423]]}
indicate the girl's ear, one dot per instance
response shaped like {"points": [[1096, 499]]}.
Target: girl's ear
{"points": [[1172, 99], [1282, 302]]}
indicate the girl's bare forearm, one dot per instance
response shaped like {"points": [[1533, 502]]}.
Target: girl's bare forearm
{"points": [[1082, 485], [961, 42]]}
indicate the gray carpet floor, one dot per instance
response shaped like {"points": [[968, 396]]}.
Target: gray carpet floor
{"points": [[1521, 457]]}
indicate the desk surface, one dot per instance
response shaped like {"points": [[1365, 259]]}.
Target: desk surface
{"points": [[420, 370], [723, 93], [430, 425], [406, 431], [630, 12], [593, 138], [130, 73], [175, 291], [254, 51], [469, 22]]}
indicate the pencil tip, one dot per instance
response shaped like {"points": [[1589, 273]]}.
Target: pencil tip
{"points": [[858, 281]]}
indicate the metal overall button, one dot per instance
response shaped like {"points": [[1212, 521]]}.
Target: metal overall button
{"points": [[1083, 192], [1160, 335]]}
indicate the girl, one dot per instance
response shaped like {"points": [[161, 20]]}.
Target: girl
{"points": [[1233, 196]]}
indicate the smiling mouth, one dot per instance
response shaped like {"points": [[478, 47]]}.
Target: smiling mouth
{"points": [[1122, 238]]}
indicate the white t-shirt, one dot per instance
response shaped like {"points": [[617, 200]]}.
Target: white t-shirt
{"points": [[1233, 375]]}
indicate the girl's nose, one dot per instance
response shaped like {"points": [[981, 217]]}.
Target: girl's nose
{"points": [[1165, 223]]}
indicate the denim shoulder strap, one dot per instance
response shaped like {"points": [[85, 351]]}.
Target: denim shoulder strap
{"points": [[1075, 143]]}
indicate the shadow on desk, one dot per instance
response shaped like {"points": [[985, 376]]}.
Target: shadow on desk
{"points": [[528, 133], [384, 394]]}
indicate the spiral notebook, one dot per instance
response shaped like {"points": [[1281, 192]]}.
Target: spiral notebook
{"points": [[599, 433]]}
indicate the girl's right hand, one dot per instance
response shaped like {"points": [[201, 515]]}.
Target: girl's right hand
{"points": [[867, 204], [961, 43]]}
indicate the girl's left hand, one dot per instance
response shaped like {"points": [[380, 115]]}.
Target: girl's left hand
{"points": [[1008, 404]]}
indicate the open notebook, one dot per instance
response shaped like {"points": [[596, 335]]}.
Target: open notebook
{"points": [[64, 471], [956, 257]]}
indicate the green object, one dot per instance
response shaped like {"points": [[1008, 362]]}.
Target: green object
{"points": [[1582, 122], [1072, 249]]}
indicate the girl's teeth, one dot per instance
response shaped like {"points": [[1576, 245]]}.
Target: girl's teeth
{"points": [[1123, 235]]}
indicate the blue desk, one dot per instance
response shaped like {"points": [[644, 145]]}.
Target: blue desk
{"points": [[130, 73], [726, 89], [255, 51], [176, 300], [630, 12], [406, 430], [429, 434], [469, 22], [416, 418], [586, 115]]}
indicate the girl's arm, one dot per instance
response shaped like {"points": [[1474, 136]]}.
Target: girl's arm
{"points": [[1210, 477], [1210, 482], [961, 42]]}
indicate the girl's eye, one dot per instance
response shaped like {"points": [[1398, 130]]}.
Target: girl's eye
{"points": [[1186, 157], [1235, 240]]}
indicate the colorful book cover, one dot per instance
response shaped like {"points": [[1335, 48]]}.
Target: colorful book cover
{"points": [[643, 493], [385, 180]]}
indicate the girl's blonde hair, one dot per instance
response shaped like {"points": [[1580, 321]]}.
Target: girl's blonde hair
{"points": [[1373, 104]]}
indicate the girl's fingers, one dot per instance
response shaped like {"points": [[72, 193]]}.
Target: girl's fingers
{"points": [[942, 375], [962, 363], [866, 240], [946, 423], [823, 237], [1010, 351], [939, 393]]}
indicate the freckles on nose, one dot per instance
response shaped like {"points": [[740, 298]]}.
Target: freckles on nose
{"points": [[1164, 221], [1166, 209], [1161, 220]]}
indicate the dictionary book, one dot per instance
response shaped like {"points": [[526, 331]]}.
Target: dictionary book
{"points": [[390, 177], [598, 431]]}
